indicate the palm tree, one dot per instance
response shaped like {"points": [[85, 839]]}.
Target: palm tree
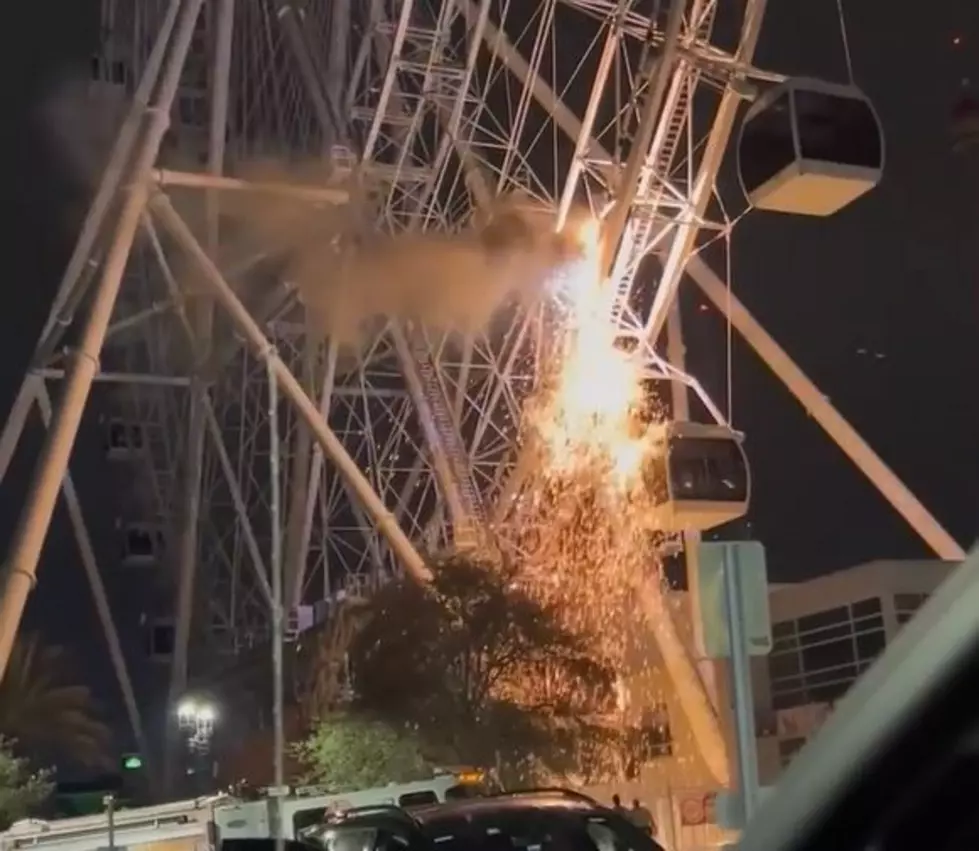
{"points": [[43, 708]]}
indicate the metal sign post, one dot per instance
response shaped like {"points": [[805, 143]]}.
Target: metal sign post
{"points": [[736, 626], [744, 704]]}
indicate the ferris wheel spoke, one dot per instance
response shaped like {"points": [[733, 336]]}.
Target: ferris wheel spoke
{"points": [[300, 130]]}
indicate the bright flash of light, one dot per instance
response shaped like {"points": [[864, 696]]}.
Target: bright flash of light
{"points": [[191, 709], [187, 709], [582, 523], [597, 393]]}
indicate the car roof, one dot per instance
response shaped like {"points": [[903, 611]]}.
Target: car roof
{"points": [[557, 800]]}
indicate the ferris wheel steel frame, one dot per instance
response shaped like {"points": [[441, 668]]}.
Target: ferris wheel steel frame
{"points": [[653, 204]]}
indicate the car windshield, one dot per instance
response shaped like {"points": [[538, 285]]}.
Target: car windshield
{"points": [[544, 829]]}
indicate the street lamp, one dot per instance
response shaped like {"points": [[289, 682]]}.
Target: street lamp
{"points": [[197, 717]]}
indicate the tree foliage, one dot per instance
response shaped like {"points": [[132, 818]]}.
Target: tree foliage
{"points": [[346, 751], [21, 791], [485, 674], [44, 708]]}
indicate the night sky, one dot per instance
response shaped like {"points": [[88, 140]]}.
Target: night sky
{"points": [[880, 304]]}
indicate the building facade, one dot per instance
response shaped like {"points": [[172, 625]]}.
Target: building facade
{"points": [[826, 632]]}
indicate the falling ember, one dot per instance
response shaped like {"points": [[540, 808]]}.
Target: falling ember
{"points": [[596, 397], [579, 524]]}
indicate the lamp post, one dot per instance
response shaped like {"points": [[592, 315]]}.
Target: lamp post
{"points": [[197, 717]]}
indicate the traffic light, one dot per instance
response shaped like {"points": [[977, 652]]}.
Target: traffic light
{"points": [[132, 762]]}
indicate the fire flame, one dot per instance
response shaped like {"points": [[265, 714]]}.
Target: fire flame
{"points": [[597, 395]]}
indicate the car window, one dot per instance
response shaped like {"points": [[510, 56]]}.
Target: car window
{"points": [[350, 839], [307, 818], [390, 840], [604, 836], [373, 833], [418, 799], [255, 844], [536, 830], [463, 791]]}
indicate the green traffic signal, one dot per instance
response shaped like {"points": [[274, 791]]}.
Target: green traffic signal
{"points": [[132, 762]]}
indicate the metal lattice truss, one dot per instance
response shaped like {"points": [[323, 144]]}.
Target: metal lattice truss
{"points": [[402, 114], [445, 114]]}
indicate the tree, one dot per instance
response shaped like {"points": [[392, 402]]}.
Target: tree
{"points": [[485, 674], [345, 752], [43, 708], [20, 790]]}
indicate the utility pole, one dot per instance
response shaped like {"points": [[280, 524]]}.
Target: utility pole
{"points": [[278, 621]]}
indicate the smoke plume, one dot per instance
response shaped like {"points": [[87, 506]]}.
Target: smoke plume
{"points": [[449, 282], [348, 275]]}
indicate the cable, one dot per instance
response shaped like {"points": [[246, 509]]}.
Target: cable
{"points": [[846, 40], [729, 328], [725, 234]]}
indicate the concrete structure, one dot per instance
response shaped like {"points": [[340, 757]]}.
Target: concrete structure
{"points": [[826, 632]]}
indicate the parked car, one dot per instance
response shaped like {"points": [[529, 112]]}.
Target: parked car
{"points": [[540, 820]]}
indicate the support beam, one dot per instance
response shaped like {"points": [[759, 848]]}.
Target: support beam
{"points": [[165, 178], [211, 421], [294, 588], [35, 519], [238, 501], [81, 266], [300, 469], [690, 693], [652, 111], [187, 549], [605, 63], [337, 58], [34, 390], [390, 80], [822, 411], [703, 718], [201, 313], [680, 397], [441, 435], [451, 463], [681, 249], [278, 619], [327, 112], [86, 552], [16, 420], [144, 379], [324, 435]]}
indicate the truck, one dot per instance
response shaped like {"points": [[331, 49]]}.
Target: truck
{"points": [[207, 823]]}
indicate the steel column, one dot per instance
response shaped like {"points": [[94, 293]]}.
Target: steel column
{"points": [[35, 519]]}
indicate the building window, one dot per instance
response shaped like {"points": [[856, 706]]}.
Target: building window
{"points": [[161, 640], [143, 544], [109, 71], [418, 799], [192, 110], [124, 438], [817, 657], [906, 605], [788, 748]]}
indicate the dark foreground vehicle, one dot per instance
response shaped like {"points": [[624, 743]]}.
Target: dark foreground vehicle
{"points": [[550, 820]]}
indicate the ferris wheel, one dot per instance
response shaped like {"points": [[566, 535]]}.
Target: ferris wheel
{"points": [[416, 115]]}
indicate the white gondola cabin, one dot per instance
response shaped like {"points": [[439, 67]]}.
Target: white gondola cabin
{"points": [[810, 148], [700, 479]]}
